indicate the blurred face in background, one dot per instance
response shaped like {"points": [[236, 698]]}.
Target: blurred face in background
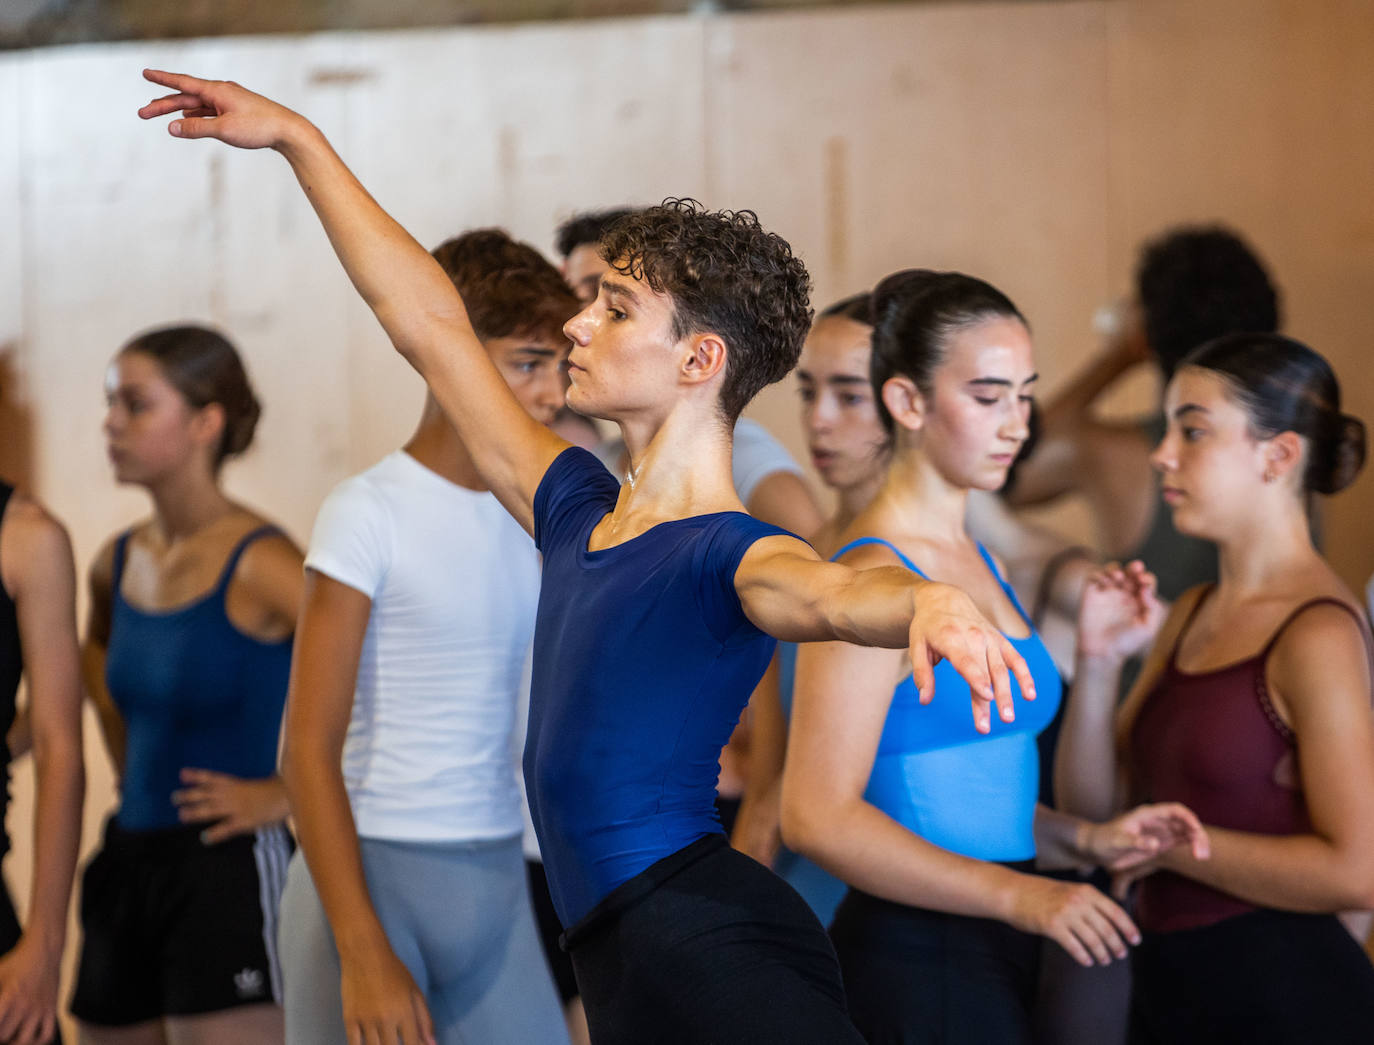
{"points": [[583, 269], [846, 440]]}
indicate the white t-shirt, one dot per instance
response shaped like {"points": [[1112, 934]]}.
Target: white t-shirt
{"points": [[757, 456], [454, 582]]}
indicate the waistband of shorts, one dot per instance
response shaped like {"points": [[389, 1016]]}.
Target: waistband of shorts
{"points": [[627, 894], [163, 841]]}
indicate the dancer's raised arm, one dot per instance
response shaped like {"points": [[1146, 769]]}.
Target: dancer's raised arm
{"points": [[414, 300]]}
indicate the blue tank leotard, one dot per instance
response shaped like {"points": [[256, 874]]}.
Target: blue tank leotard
{"points": [[968, 792], [643, 662], [194, 692]]}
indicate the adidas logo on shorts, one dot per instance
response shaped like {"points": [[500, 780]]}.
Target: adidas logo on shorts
{"points": [[248, 983]]}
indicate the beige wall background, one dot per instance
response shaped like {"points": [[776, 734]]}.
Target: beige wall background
{"points": [[1033, 144]]}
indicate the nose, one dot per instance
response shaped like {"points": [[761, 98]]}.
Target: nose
{"points": [[1164, 457], [578, 328], [1016, 428]]}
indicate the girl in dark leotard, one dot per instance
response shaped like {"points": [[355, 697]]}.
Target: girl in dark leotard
{"points": [[38, 642], [1254, 707], [186, 657], [660, 599], [936, 936]]}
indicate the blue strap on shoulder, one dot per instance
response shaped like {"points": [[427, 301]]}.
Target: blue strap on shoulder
{"points": [[231, 564], [861, 541]]}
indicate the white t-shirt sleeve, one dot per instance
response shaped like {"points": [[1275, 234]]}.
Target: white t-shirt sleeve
{"points": [[352, 540], [757, 456]]}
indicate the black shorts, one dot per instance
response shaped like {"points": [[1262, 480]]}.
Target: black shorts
{"points": [[708, 947], [1263, 978], [550, 929], [920, 977], [173, 927]]}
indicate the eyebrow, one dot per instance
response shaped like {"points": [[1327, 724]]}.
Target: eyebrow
{"points": [[1189, 408], [537, 350], [1002, 382], [611, 286]]}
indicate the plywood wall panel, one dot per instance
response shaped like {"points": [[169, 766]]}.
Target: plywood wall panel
{"points": [[971, 138], [1257, 114]]}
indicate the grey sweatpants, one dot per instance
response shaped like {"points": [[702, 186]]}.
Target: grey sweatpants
{"points": [[458, 916]]}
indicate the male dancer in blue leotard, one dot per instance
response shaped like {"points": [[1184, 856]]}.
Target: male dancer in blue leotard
{"points": [[659, 597]]}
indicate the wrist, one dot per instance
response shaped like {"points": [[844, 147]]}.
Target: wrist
{"points": [[297, 138], [46, 942], [1006, 888], [1100, 659], [1086, 844], [364, 940]]}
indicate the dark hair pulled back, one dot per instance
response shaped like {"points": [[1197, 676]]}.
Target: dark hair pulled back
{"points": [[205, 368], [1284, 386], [914, 314]]}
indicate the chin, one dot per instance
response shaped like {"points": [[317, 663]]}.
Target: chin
{"points": [[1189, 525]]}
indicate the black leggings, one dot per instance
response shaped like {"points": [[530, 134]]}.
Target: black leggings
{"points": [[707, 947], [1264, 978], [919, 977]]}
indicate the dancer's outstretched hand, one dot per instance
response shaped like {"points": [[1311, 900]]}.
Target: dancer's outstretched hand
{"points": [[1145, 833], [220, 109], [948, 626], [1120, 613]]}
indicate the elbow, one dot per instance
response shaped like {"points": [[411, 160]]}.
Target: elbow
{"points": [[1358, 890], [803, 824], [292, 768]]}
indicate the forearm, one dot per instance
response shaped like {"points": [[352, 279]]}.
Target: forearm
{"points": [[328, 837], [875, 608], [60, 788], [1073, 403], [861, 845], [1289, 872], [1061, 840], [1085, 769]]}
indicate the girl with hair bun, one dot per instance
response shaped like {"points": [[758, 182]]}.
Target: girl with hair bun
{"points": [[186, 657], [938, 934], [1254, 708]]}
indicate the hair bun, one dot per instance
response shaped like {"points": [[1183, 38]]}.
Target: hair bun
{"points": [[1344, 457]]}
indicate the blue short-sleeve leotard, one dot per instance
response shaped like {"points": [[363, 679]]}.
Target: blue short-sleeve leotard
{"points": [[972, 793], [643, 662]]}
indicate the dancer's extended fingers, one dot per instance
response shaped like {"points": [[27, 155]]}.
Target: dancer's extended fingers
{"points": [[971, 663], [1000, 676], [1018, 666], [171, 103], [177, 81], [923, 670]]}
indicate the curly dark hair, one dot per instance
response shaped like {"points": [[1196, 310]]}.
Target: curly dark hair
{"points": [[726, 275], [1196, 283], [587, 227], [508, 287]]}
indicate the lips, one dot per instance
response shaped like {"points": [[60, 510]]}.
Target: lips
{"points": [[1171, 495]]}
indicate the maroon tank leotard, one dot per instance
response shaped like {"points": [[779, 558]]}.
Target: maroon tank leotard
{"points": [[1213, 741]]}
